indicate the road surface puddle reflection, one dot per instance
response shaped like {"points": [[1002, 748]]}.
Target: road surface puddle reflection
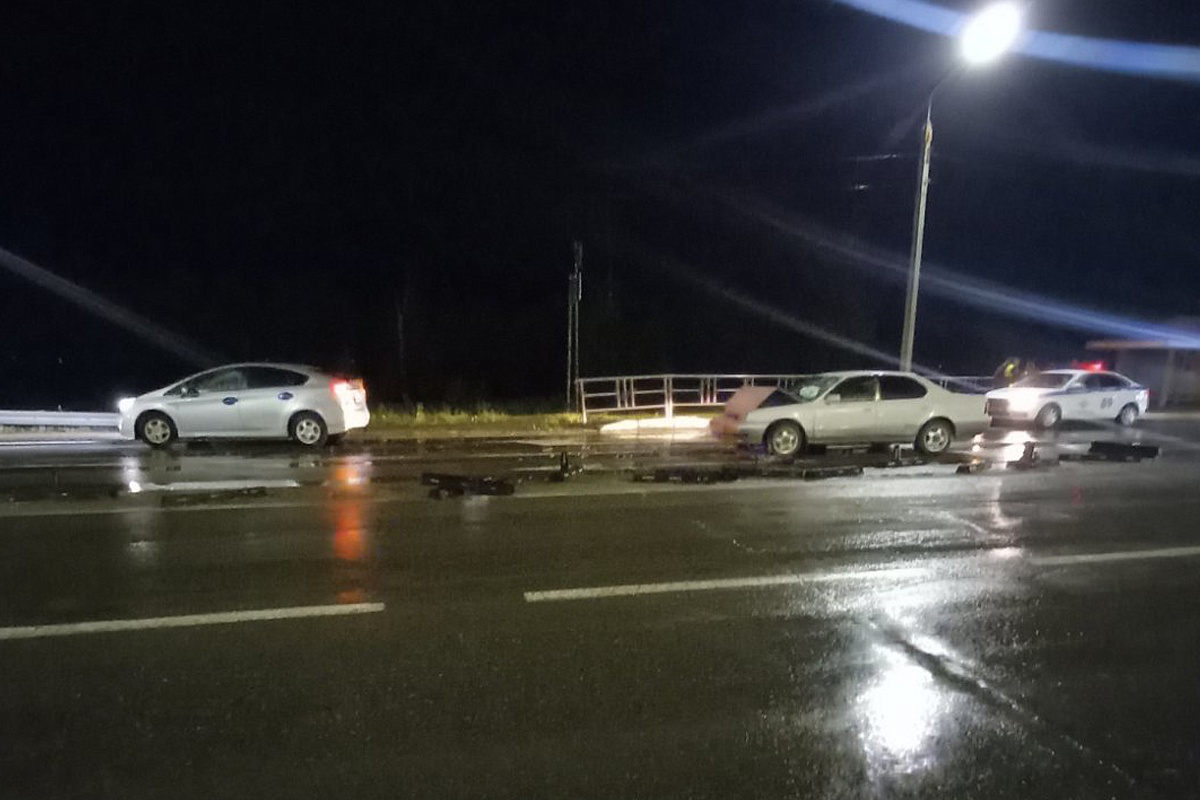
{"points": [[901, 712], [351, 551]]}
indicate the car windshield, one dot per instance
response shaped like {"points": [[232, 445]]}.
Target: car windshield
{"points": [[809, 388], [1046, 380]]}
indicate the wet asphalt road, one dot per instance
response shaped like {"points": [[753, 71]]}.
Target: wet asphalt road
{"points": [[905, 633]]}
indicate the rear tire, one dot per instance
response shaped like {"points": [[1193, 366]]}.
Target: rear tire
{"points": [[156, 429], [784, 439], [308, 430], [1048, 418], [935, 437], [1128, 416]]}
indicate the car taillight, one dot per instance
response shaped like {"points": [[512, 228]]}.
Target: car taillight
{"points": [[343, 388]]}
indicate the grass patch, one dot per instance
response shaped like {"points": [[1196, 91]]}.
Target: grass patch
{"points": [[480, 419]]}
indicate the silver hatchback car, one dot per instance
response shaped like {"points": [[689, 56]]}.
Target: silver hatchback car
{"points": [[248, 401]]}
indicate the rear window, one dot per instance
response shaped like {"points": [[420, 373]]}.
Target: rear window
{"points": [[898, 387], [271, 377]]}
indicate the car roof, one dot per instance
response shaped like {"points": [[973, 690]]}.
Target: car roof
{"points": [[853, 373], [273, 364]]}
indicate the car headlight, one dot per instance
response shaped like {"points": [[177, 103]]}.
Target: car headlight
{"points": [[1023, 402], [125, 403]]}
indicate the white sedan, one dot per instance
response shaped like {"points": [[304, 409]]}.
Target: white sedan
{"points": [[838, 408], [248, 401], [1048, 398]]}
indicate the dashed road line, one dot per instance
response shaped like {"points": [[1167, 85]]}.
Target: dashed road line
{"points": [[186, 620], [634, 589]]}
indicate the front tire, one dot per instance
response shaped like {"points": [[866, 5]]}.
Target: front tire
{"points": [[1048, 418], [308, 430], [784, 439], [935, 437], [1128, 416], [156, 429]]}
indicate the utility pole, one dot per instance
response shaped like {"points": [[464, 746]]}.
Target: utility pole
{"points": [[574, 295], [918, 240]]}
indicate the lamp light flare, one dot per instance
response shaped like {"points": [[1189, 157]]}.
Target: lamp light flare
{"points": [[990, 33]]}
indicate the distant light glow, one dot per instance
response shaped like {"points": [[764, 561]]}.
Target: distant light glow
{"points": [[990, 33], [956, 286], [1110, 55], [106, 310]]}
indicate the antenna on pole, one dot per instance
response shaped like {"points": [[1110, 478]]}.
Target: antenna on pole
{"points": [[574, 295]]}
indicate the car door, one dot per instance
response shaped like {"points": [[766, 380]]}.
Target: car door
{"points": [[1096, 398], [264, 405], [207, 404], [1071, 399], [1116, 394], [903, 407], [849, 411]]}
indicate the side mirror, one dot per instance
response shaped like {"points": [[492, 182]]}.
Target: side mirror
{"points": [[833, 398]]}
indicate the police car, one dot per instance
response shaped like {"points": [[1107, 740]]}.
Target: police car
{"points": [[1048, 398]]}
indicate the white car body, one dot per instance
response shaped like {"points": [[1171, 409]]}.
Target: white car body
{"points": [[839, 408], [1076, 394], [249, 401]]}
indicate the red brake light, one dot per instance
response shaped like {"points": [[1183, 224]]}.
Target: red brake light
{"points": [[343, 386]]}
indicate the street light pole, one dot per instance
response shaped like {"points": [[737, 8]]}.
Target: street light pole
{"points": [[985, 38], [918, 242]]}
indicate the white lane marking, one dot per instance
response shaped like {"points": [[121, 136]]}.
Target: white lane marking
{"points": [[54, 442], [186, 620], [633, 589], [136, 487], [141, 509], [1118, 555]]}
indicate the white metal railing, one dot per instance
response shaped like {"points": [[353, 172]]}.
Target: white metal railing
{"points": [[666, 393], [58, 419]]}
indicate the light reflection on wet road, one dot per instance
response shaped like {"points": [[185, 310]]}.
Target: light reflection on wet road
{"points": [[904, 633]]}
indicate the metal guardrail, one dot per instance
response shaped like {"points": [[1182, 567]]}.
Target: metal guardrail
{"points": [[958, 383], [666, 393], [58, 419]]}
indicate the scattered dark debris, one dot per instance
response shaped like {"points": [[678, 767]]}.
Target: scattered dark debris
{"points": [[565, 469], [689, 475], [1116, 451], [973, 467], [806, 473], [458, 485], [170, 499], [728, 474], [1030, 459]]}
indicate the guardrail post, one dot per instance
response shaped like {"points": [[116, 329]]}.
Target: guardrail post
{"points": [[668, 398]]}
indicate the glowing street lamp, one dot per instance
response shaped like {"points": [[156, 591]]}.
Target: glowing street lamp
{"points": [[990, 33], [986, 37]]}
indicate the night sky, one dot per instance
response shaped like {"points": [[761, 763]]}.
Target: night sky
{"points": [[289, 181]]}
